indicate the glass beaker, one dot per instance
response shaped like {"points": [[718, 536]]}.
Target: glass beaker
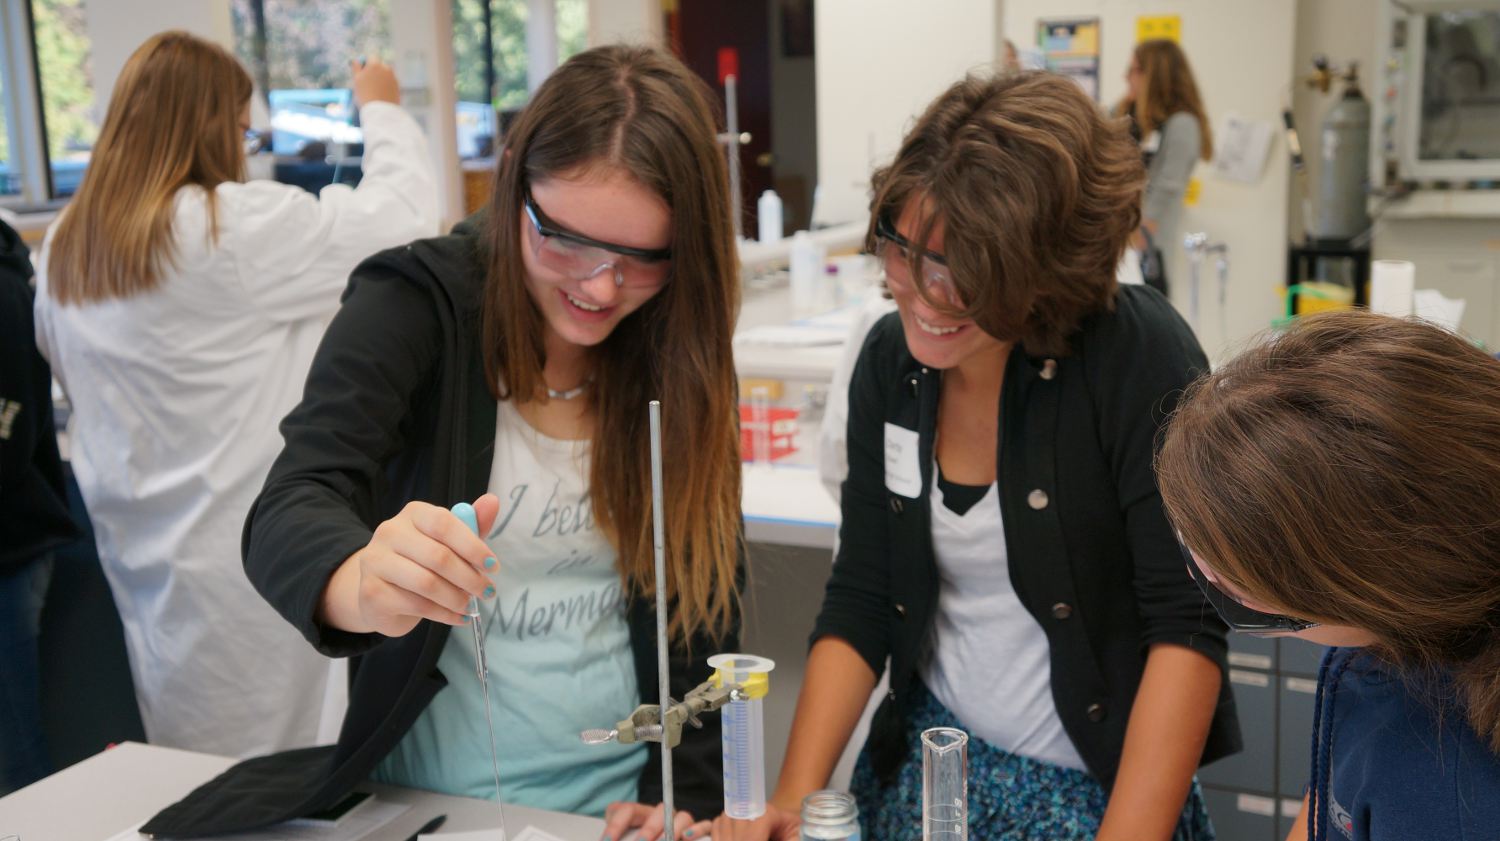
{"points": [[945, 784]]}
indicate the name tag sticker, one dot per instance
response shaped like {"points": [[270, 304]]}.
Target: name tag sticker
{"points": [[902, 474]]}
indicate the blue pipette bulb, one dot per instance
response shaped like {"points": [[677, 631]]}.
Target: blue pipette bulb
{"points": [[464, 511]]}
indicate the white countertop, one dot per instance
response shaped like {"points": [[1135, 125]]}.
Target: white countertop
{"points": [[786, 503], [112, 791]]}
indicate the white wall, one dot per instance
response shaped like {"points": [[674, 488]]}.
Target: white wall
{"points": [[1242, 57], [628, 21], [117, 28], [879, 63]]}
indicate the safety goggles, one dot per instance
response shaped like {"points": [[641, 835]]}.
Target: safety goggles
{"points": [[578, 257], [1245, 620], [894, 252]]}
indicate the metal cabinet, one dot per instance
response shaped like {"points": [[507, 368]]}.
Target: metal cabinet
{"points": [[1299, 657], [1294, 736], [1239, 816], [1257, 793], [1254, 768], [1247, 652]]}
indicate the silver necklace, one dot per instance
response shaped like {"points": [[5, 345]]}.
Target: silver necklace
{"points": [[570, 393]]}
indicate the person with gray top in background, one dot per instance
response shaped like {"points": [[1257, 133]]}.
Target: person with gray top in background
{"points": [[1167, 116]]}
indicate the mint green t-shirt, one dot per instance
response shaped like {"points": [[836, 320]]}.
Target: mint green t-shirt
{"points": [[556, 642]]}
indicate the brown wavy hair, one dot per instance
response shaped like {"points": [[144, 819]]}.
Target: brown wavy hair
{"points": [[173, 122], [1168, 88], [642, 111], [1348, 472], [1037, 192]]}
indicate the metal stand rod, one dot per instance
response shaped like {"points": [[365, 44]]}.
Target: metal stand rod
{"points": [[732, 123], [664, 686]]}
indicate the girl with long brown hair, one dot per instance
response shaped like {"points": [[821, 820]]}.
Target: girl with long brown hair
{"points": [[1340, 483], [1167, 116], [180, 307], [1002, 542], [510, 364]]}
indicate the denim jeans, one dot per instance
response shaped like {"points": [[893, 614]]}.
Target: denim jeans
{"points": [[23, 751]]}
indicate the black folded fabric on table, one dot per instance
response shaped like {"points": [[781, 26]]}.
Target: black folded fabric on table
{"points": [[254, 794]]}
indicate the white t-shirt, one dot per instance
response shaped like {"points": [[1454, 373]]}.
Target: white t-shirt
{"points": [[989, 662], [556, 642]]}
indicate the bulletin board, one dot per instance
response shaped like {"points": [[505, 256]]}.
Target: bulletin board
{"points": [[1070, 47]]}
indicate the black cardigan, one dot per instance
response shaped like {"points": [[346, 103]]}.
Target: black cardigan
{"points": [[396, 409], [34, 516], [1091, 554]]}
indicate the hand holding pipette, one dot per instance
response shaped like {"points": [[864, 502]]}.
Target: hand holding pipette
{"points": [[423, 563], [470, 518]]}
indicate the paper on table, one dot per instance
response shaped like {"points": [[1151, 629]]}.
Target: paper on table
{"points": [[368, 818], [530, 833]]}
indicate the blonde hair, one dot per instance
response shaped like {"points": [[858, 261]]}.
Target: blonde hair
{"points": [[173, 122], [1167, 88]]}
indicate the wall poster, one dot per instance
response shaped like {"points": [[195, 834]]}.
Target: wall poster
{"points": [[1071, 47]]}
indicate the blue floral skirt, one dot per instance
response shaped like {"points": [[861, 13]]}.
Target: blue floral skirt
{"points": [[1011, 798]]}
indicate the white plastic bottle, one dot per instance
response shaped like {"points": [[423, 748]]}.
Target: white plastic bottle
{"points": [[768, 212], [807, 274]]}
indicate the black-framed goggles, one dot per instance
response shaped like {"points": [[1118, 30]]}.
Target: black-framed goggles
{"points": [[886, 229], [1239, 618], [548, 229]]}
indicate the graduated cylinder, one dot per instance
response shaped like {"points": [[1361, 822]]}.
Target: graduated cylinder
{"points": [[743, 732], [945, 784]]}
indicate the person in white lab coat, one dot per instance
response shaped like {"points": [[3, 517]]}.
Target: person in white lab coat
{"points": [[180, 308]]}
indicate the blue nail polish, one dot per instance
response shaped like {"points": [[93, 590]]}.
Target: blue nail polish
{"points": [[688, 834], [489, 563], [464, 619], [489, 592]]}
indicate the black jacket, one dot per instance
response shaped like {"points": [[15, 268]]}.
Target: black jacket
{"points": [[1091, 554], [397, 409], [33, 499]]}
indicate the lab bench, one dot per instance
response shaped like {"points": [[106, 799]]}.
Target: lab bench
{"points": [[117, 789]]}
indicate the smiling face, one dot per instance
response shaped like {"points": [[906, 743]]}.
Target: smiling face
{"points": [[605, 205], [936, 339]]}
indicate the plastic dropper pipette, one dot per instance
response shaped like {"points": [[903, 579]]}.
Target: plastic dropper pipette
{"points": [[465, 512]]}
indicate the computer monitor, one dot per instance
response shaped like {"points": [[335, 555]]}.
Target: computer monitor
{"points": [[303, 117]]}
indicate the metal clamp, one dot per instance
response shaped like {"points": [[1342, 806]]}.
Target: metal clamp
{"points": [[645, 724]]}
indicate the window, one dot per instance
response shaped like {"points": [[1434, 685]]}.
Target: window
{"points": [[1460, 102], [10, 185], [307, 44], [65, 65], [508, 61]]}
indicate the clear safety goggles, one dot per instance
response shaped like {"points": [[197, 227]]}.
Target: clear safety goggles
{"points": [[578, 257], [895, 252]]}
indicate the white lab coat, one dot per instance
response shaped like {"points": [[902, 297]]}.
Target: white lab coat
{"points": [[177, 394]]}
